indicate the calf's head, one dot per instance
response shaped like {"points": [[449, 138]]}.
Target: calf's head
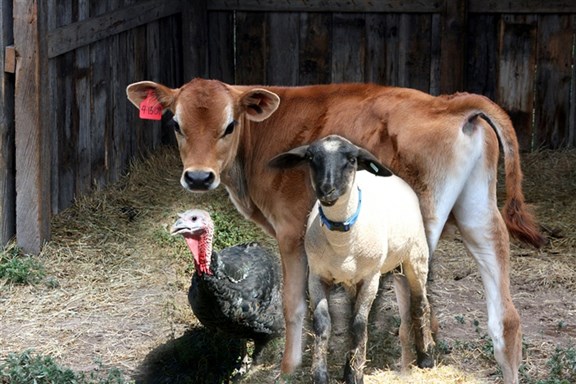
{"points": [[208, 119], [333, 162]]}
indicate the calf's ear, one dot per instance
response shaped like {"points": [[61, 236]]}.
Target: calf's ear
{"points": [[368, 162], [139, 91], [259, 103], [289, 159]]}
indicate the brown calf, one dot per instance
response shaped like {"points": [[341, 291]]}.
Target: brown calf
{"points": [[445, 147]]}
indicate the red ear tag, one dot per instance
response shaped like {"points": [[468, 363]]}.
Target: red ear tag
{"points": [[150, 107]]}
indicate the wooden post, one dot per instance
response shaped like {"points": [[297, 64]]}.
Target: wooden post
{"points": [[32, 138], [453, 47], [7, 180]]}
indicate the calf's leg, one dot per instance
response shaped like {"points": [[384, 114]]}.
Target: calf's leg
{"points": [[295, 269], [486, 238]]}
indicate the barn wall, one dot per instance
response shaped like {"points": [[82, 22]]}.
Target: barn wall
{"points": [[75, 129], [66, 126], [520, 53]]}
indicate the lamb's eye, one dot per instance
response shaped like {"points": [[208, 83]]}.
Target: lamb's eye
{"points": [[352, 160], [229, 129]]}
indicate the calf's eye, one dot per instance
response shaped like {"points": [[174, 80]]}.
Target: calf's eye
{"points": [[176, 127], [229, 129]]}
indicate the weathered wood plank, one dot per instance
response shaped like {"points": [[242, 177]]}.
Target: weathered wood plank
{"points": [[436, 62], [78, 34], [375, 48], [140, 131], [81, 113], [221, 46], [415, 51], [154, 68], [194, 39], [32, 133], [553, 81], [348, 47], [101, 88], [418, 6], [315, 46], [392, 58], [482, 54], [65, 136], [121, 146], [515, 91], [453, 47], [522, 6], [572, 127], [7, 148], [251, 48], [283, 47]]}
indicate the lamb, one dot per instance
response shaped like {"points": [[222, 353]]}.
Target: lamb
{"points": [[361, 227]]}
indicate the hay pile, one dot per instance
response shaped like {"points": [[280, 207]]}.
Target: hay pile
{"points": [[118, 284]]}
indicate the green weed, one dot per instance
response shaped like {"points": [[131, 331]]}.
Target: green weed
{"points": [[19, 268], [26, 367]]}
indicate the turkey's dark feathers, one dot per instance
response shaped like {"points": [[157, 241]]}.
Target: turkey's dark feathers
{"points": [[243, 296]]}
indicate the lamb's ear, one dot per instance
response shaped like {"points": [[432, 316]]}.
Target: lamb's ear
{"points": [[289, 159], [370, 163]]}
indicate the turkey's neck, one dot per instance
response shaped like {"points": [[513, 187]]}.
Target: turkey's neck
{"points": [[201, 248]]}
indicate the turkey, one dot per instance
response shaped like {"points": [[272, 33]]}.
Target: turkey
{"points": [[236, 291]]}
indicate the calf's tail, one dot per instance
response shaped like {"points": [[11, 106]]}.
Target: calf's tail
{"points": [[518, 218]]}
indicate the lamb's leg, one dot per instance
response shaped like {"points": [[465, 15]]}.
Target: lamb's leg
{"points": [[356, 358], [416, 275], [322, 327]]}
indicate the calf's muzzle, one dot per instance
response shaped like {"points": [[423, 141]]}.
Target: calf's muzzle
{"points": [[198, 180]]}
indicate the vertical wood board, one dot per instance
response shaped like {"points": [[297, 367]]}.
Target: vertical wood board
{"points": [[7, 144], [82, 114], [453, 46], [314, 52], [348, 47], [415, 51], [517, 63], [251, 52], [375, 71], [553, 81], [482, 47], [221, 46], [32, 134], [283, 43]]}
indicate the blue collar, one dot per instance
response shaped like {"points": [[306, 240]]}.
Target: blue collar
{"points": [[340, 226]]}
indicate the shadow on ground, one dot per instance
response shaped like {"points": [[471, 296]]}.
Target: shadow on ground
{"points": [[199, 356]]}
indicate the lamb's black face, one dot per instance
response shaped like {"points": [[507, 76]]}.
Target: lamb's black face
{"points": [[333, 164]]}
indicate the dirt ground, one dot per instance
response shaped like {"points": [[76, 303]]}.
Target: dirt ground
{"points": [[116, 285]]}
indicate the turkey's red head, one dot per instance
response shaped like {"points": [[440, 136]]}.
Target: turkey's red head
{"points": [[197, 228]]}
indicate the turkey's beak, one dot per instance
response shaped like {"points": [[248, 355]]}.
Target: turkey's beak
{"points": [[184, 226]]}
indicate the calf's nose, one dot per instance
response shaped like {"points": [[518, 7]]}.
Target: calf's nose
{"points": [[199, 180]]}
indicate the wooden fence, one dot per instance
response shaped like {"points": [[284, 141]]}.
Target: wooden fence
{"points": [[66, 126]]}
